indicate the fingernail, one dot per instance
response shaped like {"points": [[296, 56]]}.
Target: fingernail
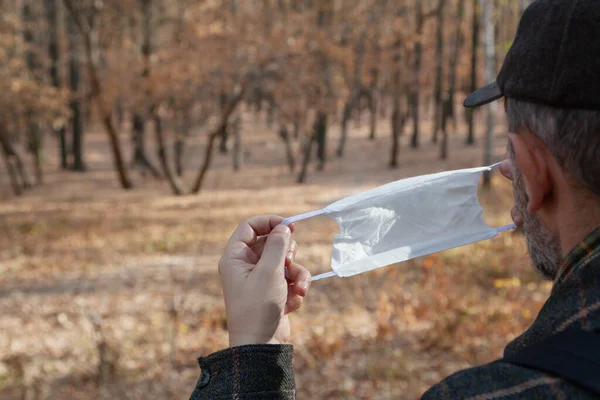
{"points": [[281, 229], [304, 284], [518, 220], [290, 256]]}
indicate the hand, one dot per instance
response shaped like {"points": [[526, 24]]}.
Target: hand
{"points": [[258, 296], [506, 170]]}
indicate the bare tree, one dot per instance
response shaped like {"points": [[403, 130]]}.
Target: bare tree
{"points": [[490, 66], [285, 136], [400, 114], [306, 154], [355, 91], [54, 55], [439, 70], [140, 157], [17, 173], [475, 28], [373, 92], [85, 23], [236, 130], [448, 111], [217, 132], [34, 131], [77, 128], [174, 182], [421, 18]]}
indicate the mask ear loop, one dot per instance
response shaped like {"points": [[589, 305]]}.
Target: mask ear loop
{"points": [[302, 217], [506, 228]]}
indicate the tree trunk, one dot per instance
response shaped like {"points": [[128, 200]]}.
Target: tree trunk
{"points": [[398, 116], [398, 122], [223, 143], [490, 66], [34, 146], [237, 144], [140, 156], [228, 110], [12, 175], [373, 101], [116, 149], [182, 134], [297, 117], [270, 110], [63, 146], [34, 132], [17, 167], [449, 107], [439, 71], [345, 119], [446, 105], [373, 116], [7, 154], [75, 104], [54, 55], [321, 139], [179, 147], [105, 112], [30, 55], [353, 103], [76, 111], [373, 88], [415, 99], [306, 160], [474, 52], [176, 185], [284, 135]]}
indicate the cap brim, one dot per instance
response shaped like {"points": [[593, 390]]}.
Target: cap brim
{"points": [[483, 96]]}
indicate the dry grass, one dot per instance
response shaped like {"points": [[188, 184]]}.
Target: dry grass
{"points": [[89, 272]]}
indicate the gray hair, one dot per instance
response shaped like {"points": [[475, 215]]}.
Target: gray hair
{"points": [[572, 135]]}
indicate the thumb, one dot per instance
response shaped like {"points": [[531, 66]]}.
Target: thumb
{"points": [[273, 256]]}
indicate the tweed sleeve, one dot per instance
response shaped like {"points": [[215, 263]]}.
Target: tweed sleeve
{"points": [[504, 381], [247, 372]]}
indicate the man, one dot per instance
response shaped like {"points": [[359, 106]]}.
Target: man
{"points": [[551, 82]]}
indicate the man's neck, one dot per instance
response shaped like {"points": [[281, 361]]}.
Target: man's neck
{"points": [[577, 225]]}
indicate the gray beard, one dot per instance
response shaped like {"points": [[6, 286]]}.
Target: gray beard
{"points": [[544, 248]]}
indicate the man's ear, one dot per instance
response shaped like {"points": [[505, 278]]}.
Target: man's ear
{"points": [[530, 155]]}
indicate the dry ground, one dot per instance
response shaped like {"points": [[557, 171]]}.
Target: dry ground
{"points": [[113, 294]]}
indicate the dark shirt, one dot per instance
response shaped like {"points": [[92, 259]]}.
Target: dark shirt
{"points": [[266, 371]]}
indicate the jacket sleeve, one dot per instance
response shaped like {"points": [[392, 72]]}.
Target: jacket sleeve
{"points": [[502, 381], [247, 372]]}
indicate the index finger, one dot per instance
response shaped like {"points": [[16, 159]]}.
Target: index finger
{"points": [[248, 231]]}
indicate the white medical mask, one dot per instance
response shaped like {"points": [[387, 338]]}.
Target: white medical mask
{"points": [[406, 219]]}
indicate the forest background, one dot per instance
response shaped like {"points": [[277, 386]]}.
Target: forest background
{"points": [[136, 134]]}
